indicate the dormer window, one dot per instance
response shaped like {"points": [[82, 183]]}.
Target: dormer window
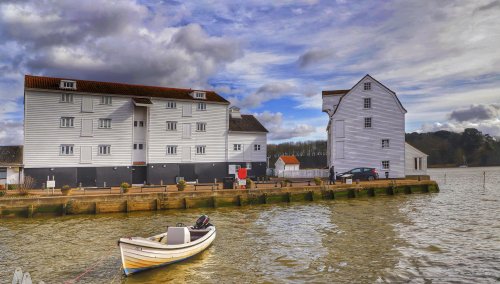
{"points": [[367, 86], [67, 84], [199, 95]]}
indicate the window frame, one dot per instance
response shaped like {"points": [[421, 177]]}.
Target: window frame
{"points": [[67, 98], [367, 103], [237, 147], [104, 123], [200, 95], [69, 147], [104, 150], [257, 147], [63, 123], [201, 106], [141, 146], [386, 145], [201, 149], [106, 100], [171, 125], [171, 105], [201, 127], [368, 122], [173, 148], [367, 86], [388, 167]]}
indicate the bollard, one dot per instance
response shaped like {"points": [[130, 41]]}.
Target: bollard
{"points": [[484, 180]]}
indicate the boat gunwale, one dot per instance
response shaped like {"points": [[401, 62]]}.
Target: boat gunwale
{"points": [[155, 245]]}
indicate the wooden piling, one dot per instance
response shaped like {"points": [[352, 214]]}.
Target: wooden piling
{"points": [[370, 192], [407, 190], [351, 193], [64, 209]]}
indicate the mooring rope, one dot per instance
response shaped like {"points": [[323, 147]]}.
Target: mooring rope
{"points": [[85, 272]]}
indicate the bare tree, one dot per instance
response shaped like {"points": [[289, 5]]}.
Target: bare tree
{"points": [[28, 183]]}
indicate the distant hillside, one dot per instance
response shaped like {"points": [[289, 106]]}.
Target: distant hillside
{"points": [[445, 149], [452, 149]]}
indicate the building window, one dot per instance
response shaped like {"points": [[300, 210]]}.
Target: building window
{"points": [[385, 143], [237, 147], [200, 150], [138, 123], [171, 150], [141, 123], [66, 98], [66, 150], [367, 103], [135, 146], [171, 125], [199, 95], [367, 86], [104, 123], [256, 147], [249, 166], [3, 173], [106, 100], [67, 121], [141, 146], [67, 84], [171, 104], [104, 150], [202, 106], [368, 122], [385, 165], [201, 126]]}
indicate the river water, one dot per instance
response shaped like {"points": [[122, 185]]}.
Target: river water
{"points": [[451, 236]]}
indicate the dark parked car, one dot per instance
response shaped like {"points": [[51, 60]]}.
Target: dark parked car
{"points": [[361, 174]]}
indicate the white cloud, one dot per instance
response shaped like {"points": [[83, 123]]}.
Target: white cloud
{"points": [[280, 130]]}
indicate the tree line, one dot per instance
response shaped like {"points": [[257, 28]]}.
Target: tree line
{"points": [[445, 149]]}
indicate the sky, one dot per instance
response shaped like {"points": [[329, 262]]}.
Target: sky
{"points": [[270, 58]]}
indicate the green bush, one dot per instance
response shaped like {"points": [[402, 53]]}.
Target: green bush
{"points": [[12, 187], [317, 181], [125, 187], [181, 185], [249, 183], [2, 192]]}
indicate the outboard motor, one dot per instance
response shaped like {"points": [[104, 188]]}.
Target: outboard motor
{"points": [[202, 222]]}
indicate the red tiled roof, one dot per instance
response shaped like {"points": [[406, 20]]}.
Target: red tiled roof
{"points": [[290, 160], [335, 92], [50, 83]]}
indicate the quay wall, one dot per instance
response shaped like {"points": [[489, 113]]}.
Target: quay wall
{"points": [[114, 203]]}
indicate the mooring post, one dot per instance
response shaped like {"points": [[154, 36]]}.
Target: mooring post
{"points": [[332, 195], [158, 205], [31, 209], [484, 180], [64, 206], [214, 202], [289, 196], [444, 178], [238, 200], [185, 203]]}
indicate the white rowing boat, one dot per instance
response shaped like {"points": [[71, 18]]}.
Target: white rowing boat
{"points": [[177, 244]]}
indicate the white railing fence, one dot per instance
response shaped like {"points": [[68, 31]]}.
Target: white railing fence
{"points": [[322, 173]]}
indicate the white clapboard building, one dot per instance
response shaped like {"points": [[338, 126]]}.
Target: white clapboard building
{"points": [[366, 128], [100, 133]]}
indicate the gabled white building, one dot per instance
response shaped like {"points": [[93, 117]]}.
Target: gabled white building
{"points": [[415, 161], [366, 128], [100, 133], [287, 163]]}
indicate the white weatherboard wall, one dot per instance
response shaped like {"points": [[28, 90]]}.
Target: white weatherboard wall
{"points": [[362, 147], [281, 166], [14, 176], [247, 153], [412, 153], [43, 134], [214, 138]]}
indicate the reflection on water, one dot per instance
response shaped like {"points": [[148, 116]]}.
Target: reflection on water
{"points": [[450, 236]]}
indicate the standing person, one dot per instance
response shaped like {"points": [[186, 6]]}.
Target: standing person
{"points": [[332, 175]]}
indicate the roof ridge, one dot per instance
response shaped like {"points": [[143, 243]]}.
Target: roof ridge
{"points": [[119, 83]]}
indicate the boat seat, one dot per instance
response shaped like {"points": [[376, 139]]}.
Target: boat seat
{"points": [[178, 235]]}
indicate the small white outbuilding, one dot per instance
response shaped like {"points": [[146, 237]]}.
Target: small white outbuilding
{"points": [[287, 163], [415, 161]]}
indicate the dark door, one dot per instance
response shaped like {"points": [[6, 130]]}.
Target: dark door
{"points": [[187, 172], [86, 177], [138, 175]]}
